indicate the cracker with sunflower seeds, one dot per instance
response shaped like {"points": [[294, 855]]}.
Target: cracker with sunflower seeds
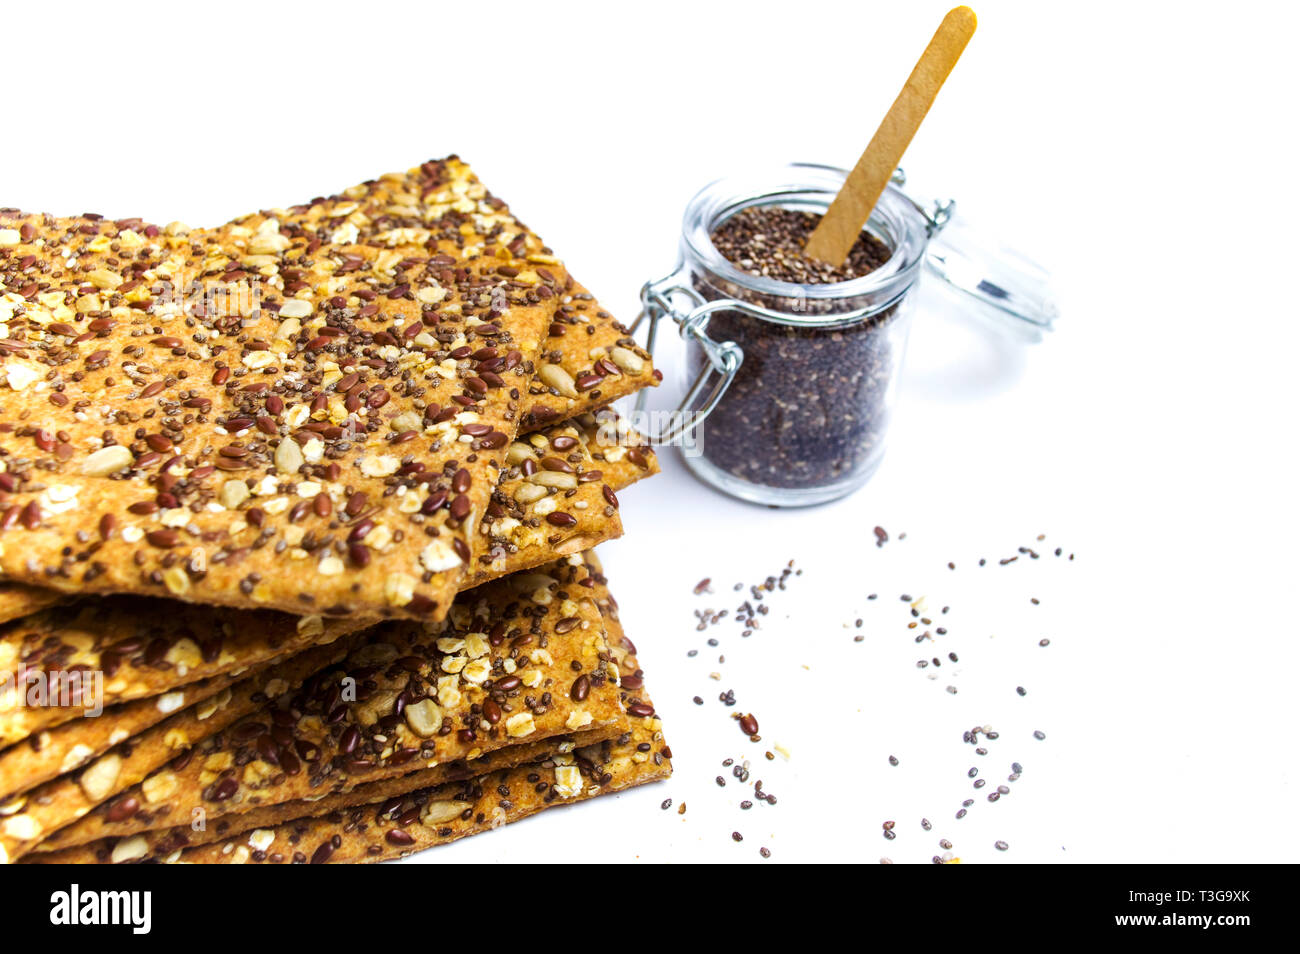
{"points": [[519, 660], [208, 415], [441, 207], [399, 825], [41, 813]]}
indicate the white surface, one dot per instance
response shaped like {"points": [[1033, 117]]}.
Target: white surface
{"points": [[1146, 155]]}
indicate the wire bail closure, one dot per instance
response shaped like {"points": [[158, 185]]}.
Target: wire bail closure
{"points": [[724, 357]]}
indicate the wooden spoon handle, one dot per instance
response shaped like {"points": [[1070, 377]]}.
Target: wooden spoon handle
{"points": [[843, 221]]}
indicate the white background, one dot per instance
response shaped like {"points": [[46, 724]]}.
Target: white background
{"points": [[1145, 153]]}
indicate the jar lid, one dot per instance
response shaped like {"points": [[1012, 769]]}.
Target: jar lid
{"points": [[1004, 287]]}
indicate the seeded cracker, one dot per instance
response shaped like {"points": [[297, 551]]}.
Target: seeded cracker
{"points": [[622, 455], [552, 501], [160, 843], [618, 454], [588, 357], [32, 817], [143, 652], [53, 752], [218, 448], [398, 826], [519, 660], [17, 600], [143, 647]]}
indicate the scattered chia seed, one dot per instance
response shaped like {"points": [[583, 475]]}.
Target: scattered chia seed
{"points": [[755, 606], [1001, 845], [666, 804]]}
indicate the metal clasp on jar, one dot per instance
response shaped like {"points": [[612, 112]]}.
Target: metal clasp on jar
{"points": [[724, 357]]}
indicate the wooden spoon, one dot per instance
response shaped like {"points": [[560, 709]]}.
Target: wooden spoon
{"points": [[843, 221]]}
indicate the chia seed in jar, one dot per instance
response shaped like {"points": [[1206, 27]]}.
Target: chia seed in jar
{"points": [[809, 405], [792, 364]]}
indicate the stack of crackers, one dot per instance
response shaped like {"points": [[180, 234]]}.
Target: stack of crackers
{"points": [[296, 530]]}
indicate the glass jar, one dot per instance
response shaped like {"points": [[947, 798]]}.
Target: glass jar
{"points": [[804, 375]]}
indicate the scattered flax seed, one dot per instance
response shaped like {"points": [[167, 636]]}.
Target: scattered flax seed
{"points": [[704, 586], [882, 537], [681, 809]]}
